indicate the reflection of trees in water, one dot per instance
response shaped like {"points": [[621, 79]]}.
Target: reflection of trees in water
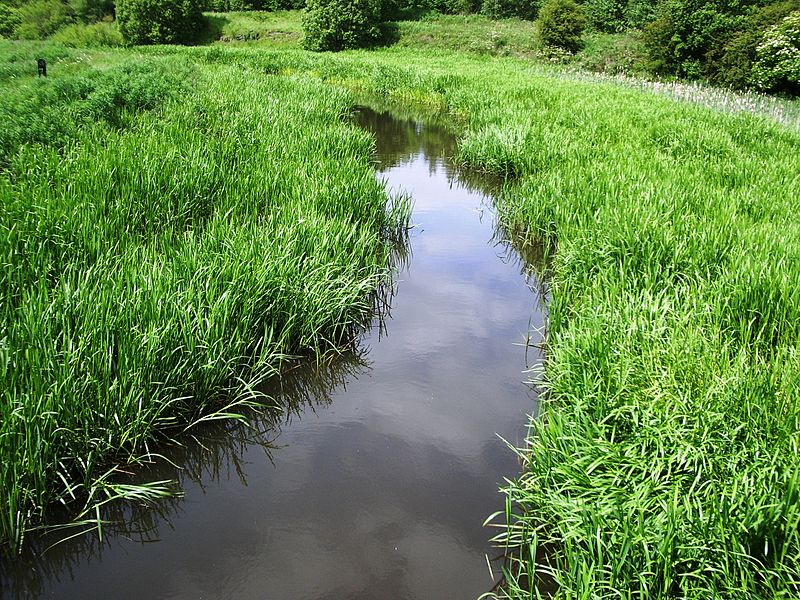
{"points": [[401, 139], [210, 452]]}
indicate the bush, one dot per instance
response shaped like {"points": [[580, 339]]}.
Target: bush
{"points": [[341, 24], [735, 68], [778, 66], [9, 20], [561, 25], [80, 35], [159, 21], [41, 18], [505, 9], [605, 15], [639, 13], [689, 35], [90, 11]]}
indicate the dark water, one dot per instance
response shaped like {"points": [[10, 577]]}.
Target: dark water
{"points": [[376, 480]]}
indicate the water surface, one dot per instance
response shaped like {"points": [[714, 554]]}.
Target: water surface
{"points": [[376, 480]]}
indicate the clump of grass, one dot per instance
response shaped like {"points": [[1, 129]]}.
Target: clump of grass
{"points": [[158, 270], [664, 459]]}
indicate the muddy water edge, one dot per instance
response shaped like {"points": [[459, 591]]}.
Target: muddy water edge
{"points": [[375, 479]]}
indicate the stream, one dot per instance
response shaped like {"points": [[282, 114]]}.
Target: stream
{"points": [[375, 481]]}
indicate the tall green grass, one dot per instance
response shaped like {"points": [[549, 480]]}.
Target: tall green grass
{"points": [[162, 256], [664, 459]]}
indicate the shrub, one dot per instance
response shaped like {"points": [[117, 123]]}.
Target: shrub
{"points": [[41, 18], [605, 15], [688, 33], [735, 68], [80, 35], [90, 11], [561, 25], [9, 20], [159, 21], [341, 24], [778, 66], [504, 9], [639, 13]]}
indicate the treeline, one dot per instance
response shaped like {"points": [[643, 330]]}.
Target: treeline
{"points": [[743, 44]]}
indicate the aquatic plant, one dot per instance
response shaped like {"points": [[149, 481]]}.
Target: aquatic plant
{"points": [[158, 265]]}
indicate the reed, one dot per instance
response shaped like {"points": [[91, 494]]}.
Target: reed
{"points": [[664, 459], [181, 231]]}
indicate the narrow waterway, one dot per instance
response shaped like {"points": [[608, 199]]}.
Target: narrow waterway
{"points": [[375, 482]]}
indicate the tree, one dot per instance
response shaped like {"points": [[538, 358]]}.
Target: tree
{"points": [[341, 24], [778, 66], [159, 21], [561, 25]]}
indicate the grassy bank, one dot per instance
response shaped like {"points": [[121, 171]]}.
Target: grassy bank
{"points": [[168, 232], [665, 462], [665, 459]]}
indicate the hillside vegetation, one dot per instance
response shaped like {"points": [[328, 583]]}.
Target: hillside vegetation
{"points": [[742, 45]]}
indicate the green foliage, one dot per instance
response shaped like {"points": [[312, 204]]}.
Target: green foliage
{"points": [[605, 15], [9, 20], [613, 53], [250, 5], [334, 25], [618, 15], [778, 65], [42, 18], [94, 35], [472, 33], [159, 21], [90, 11], [689, 35], [54, 111], [504, 9], [735, 67], [158, 268], [561, 25], [639, 13]]}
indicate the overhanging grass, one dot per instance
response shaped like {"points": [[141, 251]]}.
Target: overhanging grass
{"points": [[665, 462], [159, 262]]}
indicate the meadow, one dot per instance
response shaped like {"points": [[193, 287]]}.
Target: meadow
{"points": [[663, 461]]}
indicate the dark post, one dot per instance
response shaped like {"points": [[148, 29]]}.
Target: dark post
{"points": [[42, 64]]}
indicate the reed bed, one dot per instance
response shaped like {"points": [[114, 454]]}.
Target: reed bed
{"points": [[664, 459], [182, 231]]}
